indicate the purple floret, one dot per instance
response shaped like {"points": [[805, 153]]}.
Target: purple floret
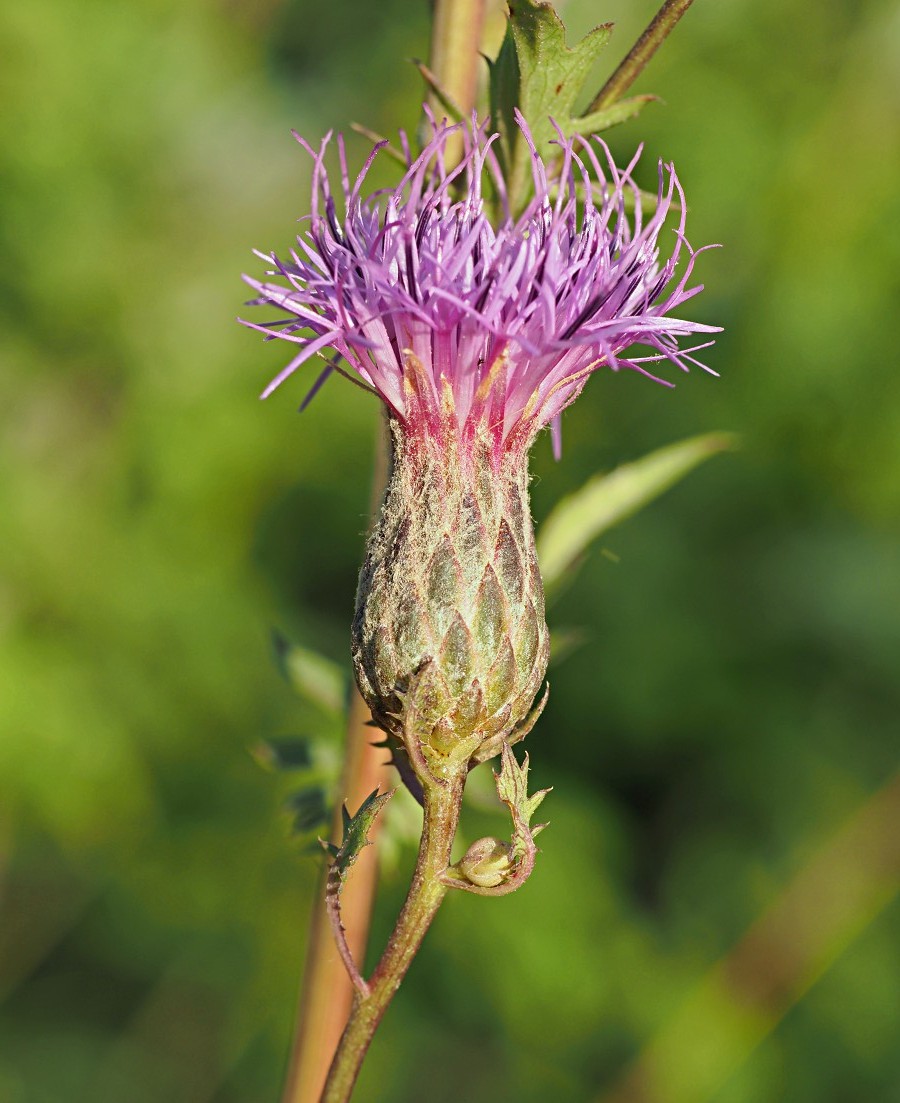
{"points": [[427, 303]]}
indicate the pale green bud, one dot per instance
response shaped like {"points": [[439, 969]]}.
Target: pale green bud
{"points": [[450, 644], [486, 863]]}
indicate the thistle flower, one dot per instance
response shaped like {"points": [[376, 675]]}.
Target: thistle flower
{"points": [[476, 334]]}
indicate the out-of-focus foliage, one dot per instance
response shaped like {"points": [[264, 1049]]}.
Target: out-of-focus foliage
{"points": [[734, 704]]}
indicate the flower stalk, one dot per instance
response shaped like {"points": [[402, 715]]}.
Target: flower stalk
{"points": [[427, 891]]}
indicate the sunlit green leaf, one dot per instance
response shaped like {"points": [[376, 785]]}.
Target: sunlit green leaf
{"points": [[356, 832], [605, 500], [610, 116]]}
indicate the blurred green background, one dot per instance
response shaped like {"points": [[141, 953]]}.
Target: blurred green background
{"points": [[734, 704]]}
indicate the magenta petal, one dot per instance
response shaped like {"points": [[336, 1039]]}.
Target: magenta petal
{"points": [[417, 290]]}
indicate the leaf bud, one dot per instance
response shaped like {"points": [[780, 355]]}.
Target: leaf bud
{"points": [[486, 863]]}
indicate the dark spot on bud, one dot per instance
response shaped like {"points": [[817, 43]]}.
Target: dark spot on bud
{"points": [[517, 515], [508, 563], [393, 549], [500, 681], [470, 532], [409, 632], [527, 638], [444, 582], [491, 618], [456, 655], [486, 486]]}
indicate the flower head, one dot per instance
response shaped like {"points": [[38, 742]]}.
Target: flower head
{"points": [[458, 323], [476, 333]]}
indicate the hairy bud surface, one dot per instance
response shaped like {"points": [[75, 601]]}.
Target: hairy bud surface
{"points": [[449, 636]]}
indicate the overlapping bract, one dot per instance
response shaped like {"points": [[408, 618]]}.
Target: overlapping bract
{"points": [[449, 641], [455, 321]]}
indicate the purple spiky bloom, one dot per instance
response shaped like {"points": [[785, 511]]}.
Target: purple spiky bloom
{"points": [[475, 334], [428, 303]]}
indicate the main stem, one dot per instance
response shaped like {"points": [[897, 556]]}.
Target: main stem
{"points": [[455, 49], [441, 818], [327, 995]]}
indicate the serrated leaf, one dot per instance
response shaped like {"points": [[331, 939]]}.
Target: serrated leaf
{"points": [[355, 836], [355, 833], [536, 72], [605, 500], [512, 789], [318, 680], [610, 116]]}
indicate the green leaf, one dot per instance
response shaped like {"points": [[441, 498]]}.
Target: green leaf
{"points": [[355, 835], [536, 72], [512, 789], [318, 680], [605, 500], [610, 116]]}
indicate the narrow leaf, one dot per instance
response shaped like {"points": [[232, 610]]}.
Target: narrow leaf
{"points": [[356, 834], [605, 500], [610, 116]]}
